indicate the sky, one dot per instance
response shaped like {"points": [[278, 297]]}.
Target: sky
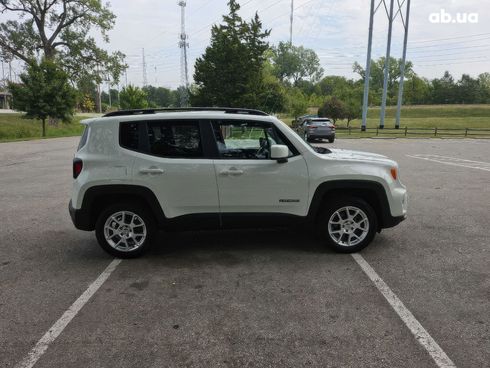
{"points": [[451, 35]]}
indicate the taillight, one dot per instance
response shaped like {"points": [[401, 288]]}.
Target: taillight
{"points": [[77, 167]]}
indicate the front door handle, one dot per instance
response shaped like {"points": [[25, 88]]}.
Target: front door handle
{"points": [[232, 172], [152, 171]]}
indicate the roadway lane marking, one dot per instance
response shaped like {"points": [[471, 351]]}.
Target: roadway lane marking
{"points": [[419, 332], [49, 337], [480, 165]]}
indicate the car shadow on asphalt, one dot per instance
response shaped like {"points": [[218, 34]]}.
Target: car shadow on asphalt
{"points": [[241, 241]]}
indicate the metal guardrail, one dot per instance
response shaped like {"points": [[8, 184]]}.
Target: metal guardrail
{"points": [[433, 132]]}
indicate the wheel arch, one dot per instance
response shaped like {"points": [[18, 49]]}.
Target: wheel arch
{"points": [[97, 198], [370, 191]]}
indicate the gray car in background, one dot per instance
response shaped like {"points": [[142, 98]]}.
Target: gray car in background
{"points": [[317, 128]]}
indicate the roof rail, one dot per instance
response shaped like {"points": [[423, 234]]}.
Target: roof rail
{"points": [[227, 110]]}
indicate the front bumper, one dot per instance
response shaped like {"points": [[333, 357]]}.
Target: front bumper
{"points": [[80, 218], [390, 221]]}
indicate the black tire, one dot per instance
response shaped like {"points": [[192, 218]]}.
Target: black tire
{"points": [[142, 213], [332, 208], [331, 140]]}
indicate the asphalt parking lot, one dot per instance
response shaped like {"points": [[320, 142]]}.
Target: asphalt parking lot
{"points": [[249, 298]]}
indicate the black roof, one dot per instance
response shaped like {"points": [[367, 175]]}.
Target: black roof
{"points": [[227, 110]]}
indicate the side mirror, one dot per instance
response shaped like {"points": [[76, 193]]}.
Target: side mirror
{"points": [[280, 153]]}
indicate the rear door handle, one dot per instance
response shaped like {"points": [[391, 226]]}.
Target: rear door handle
{"points": [[232, 172], [152, 171]]}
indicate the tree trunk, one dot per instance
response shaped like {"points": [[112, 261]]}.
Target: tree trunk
{"points": [[44, 128]]}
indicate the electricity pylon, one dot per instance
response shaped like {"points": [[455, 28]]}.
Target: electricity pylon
{"points": [[392, 15], [184, 72]]}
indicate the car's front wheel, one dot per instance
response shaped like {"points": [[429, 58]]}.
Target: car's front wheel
{"points": [[348, 224], [125, 230]]}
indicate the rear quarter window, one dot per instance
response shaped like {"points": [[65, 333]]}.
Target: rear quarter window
{"points": [[129, 136], [83, 139]]}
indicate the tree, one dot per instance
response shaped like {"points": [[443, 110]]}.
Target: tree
{"points": [[297, 103], [352, 110], [468, 90], [333, 108], [161, 97], [443, 90], [416, 91], [296, 63], [44, 93], [132, 97], [377, 75], [484, 81], [61, 30], [230, 71]]}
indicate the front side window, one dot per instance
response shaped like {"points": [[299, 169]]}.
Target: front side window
{"points": [[246, 139], [175, 139]]}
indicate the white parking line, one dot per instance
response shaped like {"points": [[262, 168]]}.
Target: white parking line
{"points": [[42, 345], [454, 161], [421, 335]]}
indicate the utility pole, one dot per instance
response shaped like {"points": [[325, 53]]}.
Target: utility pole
{"points": [[405, 22], [145, 75], [10, 71], [183, 44], [291, 20], [392, 15]]}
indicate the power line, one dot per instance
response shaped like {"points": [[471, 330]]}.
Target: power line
{"points": [[450, 38]]}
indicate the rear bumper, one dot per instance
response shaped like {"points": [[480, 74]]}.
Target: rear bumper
{"points": [[322, 135], [80, 218]]}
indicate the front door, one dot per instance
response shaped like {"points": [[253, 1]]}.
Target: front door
{"points": [[249, 181]]}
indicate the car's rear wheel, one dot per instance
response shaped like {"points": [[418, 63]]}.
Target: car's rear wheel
{"points": [[348, 224], [331, 140], [125, 230]]}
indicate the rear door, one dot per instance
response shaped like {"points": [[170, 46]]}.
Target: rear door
{"points": [[249, 181], [170, 160]]}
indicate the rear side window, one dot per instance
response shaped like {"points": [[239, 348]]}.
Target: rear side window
{"points": [[83, 140], [175, 139], [165, 138]]}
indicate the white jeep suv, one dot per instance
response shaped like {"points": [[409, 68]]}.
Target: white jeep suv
{"points": [[140, 171]]}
